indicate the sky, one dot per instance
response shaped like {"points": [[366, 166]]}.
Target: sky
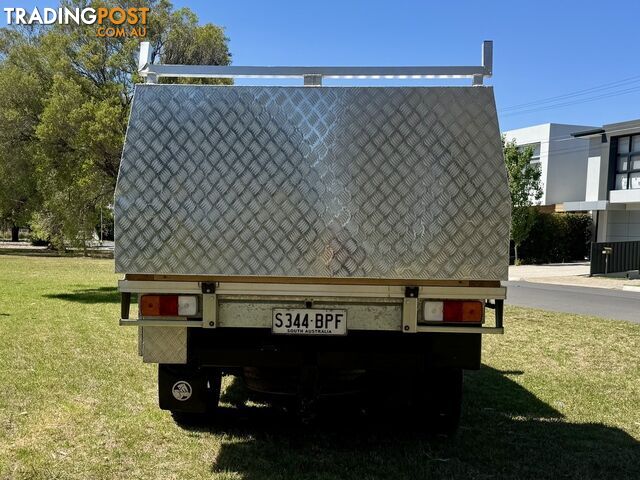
{"points": [[542, 49]]}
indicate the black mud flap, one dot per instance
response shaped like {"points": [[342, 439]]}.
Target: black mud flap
{"points": [[183, 388]]}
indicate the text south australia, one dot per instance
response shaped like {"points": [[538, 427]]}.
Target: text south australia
{"points": [[109, 22]]}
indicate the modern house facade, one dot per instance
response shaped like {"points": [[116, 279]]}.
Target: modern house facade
{"points": [[562, 159], [612, 184]]}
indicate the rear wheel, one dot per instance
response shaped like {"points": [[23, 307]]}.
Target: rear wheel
{"points": [[438, 400], [190, 393]]}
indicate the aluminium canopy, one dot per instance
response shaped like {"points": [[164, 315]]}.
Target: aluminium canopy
{"points": [[358, 182]]}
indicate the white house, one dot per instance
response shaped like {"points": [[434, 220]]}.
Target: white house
{"points": [[562, 159], [612, 185]]}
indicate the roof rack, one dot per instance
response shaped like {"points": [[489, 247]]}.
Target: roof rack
{"points": [[312, 76]]}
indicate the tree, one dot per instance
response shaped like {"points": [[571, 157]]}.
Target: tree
{"points": [[525, 189], [65, 96], [23, 83]]}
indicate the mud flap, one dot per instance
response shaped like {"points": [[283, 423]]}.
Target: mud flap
{"points": [[183, 388]]}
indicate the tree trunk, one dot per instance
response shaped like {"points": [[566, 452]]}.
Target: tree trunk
{"points": [[15, 233], [84, 243], [515, 251]]}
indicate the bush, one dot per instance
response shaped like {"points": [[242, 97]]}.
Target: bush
{"points": [[38, 233], [39, 242], [557, 237]]}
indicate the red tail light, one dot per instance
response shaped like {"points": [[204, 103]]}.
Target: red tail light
{"points": [[453, 311], [168, 305], [159, 305]]}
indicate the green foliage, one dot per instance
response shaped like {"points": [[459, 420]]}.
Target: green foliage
{"points": [[557, 237], [64, 103], [23, 85], [77, 162], [41, 229], [525, 190]]}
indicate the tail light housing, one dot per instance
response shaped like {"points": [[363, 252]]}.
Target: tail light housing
{"points": [[453, 311], [168, 305]]}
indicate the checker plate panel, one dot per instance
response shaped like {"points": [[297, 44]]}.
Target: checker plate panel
{"points": [[388, 182], [164, 345]]}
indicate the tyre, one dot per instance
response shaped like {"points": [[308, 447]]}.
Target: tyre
{"points": [[190, 393], [438, 400]]}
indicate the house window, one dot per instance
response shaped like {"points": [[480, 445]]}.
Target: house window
{"points": [[628, 162], [535, 158]]}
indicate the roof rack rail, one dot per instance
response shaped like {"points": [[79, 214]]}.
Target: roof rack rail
{"points": [[312, 76]]}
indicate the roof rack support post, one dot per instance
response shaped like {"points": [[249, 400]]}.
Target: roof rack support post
{"points": [[145, 55], [144, 61], [487, 57], [487, 64]]}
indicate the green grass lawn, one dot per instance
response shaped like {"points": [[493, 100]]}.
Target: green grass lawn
{"points": [[558, 397]]}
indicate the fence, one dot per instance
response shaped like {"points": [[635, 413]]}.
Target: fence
{"points": [[610, 257]]}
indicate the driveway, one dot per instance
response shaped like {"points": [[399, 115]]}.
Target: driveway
{"points": [[600, 302], [570, 274], [521, 272]]}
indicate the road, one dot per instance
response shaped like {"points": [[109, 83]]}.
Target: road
{"points": [[601, 302]]}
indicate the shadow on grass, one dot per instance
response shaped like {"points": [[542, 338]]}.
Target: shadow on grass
{"points": [[506, 432], [89, 295]]}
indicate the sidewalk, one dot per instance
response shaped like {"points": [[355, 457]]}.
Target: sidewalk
{"points": [[576, 274]]}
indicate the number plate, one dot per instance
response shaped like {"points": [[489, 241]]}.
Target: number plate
{"points": [[309, 321]]}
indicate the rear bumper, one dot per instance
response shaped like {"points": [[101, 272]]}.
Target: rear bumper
{"points": [[233, 325], [392, 308]]}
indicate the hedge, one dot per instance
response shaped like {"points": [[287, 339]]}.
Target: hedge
{"points": [[557, 237]]}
